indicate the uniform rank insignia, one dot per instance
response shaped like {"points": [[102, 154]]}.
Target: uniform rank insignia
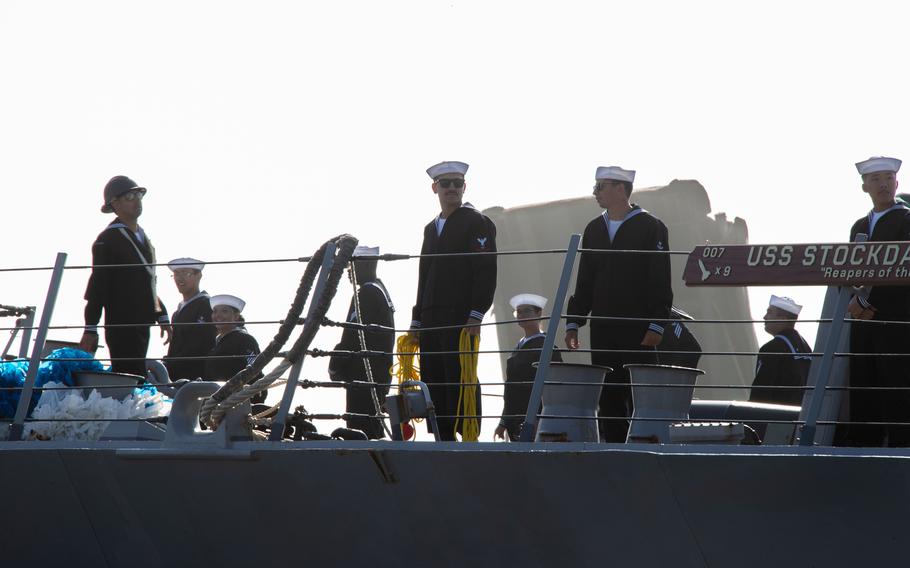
{"points": [[250, 358], [660, 245], [482, 241], [200, 319]]}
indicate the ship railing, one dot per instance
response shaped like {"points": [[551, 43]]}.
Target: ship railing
{"points": [[531, 417]]}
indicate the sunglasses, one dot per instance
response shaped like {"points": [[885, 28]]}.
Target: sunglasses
{"points": [[447, 183], [132, 195]]}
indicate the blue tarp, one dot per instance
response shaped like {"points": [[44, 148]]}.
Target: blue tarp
{"points": [[12, 374]]}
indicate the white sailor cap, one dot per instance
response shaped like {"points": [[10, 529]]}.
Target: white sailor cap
{"points": [[227, 300], [615, 173], [186, 262], [362, 250], [447, 168], [878, 164], [786, 304], [528, 300]]}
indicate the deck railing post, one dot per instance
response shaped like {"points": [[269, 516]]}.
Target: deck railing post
{"points": [[290, 389], [546, 354], [27, 324], [25, 398], [820, 374]]}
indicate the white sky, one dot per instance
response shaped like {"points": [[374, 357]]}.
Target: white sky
{"points": [[262, 129]]}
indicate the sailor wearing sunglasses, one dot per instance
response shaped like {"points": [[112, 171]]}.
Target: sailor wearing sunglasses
{"points": [[127, 295], [452, 290]]}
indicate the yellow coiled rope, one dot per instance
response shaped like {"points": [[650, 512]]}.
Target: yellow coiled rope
{"points": [[406, 368], [468, 345]]}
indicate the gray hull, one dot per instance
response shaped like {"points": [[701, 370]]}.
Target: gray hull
{"points": [[398, 504]]}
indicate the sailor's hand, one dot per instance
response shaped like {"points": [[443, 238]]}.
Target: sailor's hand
{"points": [[572, 339], [166, 330], [651, 339], [857, 311], [89, 342], [500, 432], [473, 326]]}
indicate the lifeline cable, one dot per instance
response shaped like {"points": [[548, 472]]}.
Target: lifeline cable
{"points": [[468, 345]]}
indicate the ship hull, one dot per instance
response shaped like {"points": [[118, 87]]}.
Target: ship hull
{"points": [[396, 504]]}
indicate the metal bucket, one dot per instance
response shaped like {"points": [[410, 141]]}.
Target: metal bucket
{"points": [[579, 402], [50, 345], [656, 407], [125, 383]]}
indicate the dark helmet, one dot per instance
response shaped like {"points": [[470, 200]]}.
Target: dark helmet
{"points": [[117, 187]]}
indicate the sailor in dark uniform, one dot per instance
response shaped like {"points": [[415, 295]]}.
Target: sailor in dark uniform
{"points": [[889, 220], [520, 365], [194, 335], [234, 347], [784, 361], [679, 346], [126, 295], [375, 307], [624, 285], [452, 291]]}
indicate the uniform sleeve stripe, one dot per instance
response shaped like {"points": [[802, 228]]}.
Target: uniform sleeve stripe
{"points": [[656, 328], [476, 315], [571, 327], [415, 324]]}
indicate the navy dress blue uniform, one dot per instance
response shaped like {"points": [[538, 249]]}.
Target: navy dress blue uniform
{"points": [[679, 346], [127, 295], [232, 352], [892, 303], [191, 339], [520, 369], [782, 362], [450, 290], [375, 308], [623, 285]]}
